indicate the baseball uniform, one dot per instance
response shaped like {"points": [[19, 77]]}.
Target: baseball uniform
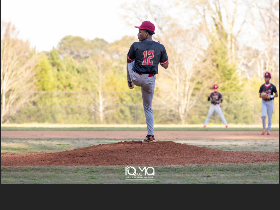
{"points": [[145, 56], [215, 107], [267, 105]]}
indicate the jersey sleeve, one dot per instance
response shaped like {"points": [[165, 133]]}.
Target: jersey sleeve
{"points": [[274, 89], [163, 57], [131, 55], [221, 97], [260, 91]]}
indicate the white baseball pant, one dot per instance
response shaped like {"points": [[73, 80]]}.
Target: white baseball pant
{"points": [[215, 108], [267, 109]]}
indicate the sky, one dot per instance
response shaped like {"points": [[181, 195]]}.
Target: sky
{"points": [[45, 22]]}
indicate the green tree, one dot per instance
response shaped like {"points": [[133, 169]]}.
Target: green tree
{"points": [[79, 48], [46, 75], [224, 69], [55, 59]]}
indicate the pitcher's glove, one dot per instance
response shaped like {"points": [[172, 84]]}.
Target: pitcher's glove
{"points": [[130, 85], [265, 96]]}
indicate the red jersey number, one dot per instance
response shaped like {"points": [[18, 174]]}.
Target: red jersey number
{"points": [[148, 61]]}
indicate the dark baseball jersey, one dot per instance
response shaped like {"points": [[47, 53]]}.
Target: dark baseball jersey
{"points": [[269, 89], [147, 55], [216, 95]]}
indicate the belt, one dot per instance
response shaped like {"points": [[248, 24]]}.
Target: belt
{"points": [[150, 75], [268, 99]]}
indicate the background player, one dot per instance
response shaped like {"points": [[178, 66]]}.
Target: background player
{"points": [[268, 102], [216, 99], [142, 66]]}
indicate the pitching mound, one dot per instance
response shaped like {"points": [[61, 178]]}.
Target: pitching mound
{"points": [[137, 153]]}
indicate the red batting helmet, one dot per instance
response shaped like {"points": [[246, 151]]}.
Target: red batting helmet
{"points": [[215, 87], [267, 74]]}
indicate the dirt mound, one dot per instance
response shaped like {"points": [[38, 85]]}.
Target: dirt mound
{"points": [[137, 153]]}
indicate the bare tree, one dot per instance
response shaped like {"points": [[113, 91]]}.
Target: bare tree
{"points": [[18, 61], [185, 49], [265, 21], [144, 10], [96, 69], [189, 74], [223, 19]]}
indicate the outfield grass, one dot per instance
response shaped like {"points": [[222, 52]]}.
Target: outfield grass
{"points": [[249, 173], [17, 128]]}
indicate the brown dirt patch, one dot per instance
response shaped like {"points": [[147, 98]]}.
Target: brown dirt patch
{"points": [[141, 134], [137, 153]]}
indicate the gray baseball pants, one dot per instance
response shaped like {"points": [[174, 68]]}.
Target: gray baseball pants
{"points": [[147, 85], [267, 109]]}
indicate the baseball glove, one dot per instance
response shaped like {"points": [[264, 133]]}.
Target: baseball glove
{"points": [[215, 101], [265, 96]]}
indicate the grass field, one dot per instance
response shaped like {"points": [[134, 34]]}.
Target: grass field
{"points": [[249, 173], [127, 128], [56, 145]]}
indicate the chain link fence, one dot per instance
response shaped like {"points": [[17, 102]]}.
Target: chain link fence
{"points": [[126, 108]]}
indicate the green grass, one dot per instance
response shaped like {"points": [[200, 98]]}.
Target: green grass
{"points": [[265, 145], [48, 145], [249, 173], [7, 128], [56, 145]]}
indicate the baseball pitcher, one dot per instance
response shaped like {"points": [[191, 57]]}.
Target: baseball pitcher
{"points": [[266, 93], [216, 100], [142, 66]]}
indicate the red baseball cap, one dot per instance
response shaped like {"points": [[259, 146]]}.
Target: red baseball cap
{"points": [[215, 87], [147, 25], [267, 74]]}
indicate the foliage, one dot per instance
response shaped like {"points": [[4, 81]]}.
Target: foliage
{"points": [[79, 48], [18, 61], [227, 78], [85, 80]]}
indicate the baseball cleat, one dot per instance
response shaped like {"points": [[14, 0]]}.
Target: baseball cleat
{"points": [[204, 126], [268, 133], [149, 139], [226, 126], [263, 132]]}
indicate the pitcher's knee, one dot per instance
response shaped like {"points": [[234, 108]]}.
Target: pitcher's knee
{"points": [[263, 117]]}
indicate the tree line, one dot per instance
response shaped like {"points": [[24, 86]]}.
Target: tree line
{"points": [[216, 46]]}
